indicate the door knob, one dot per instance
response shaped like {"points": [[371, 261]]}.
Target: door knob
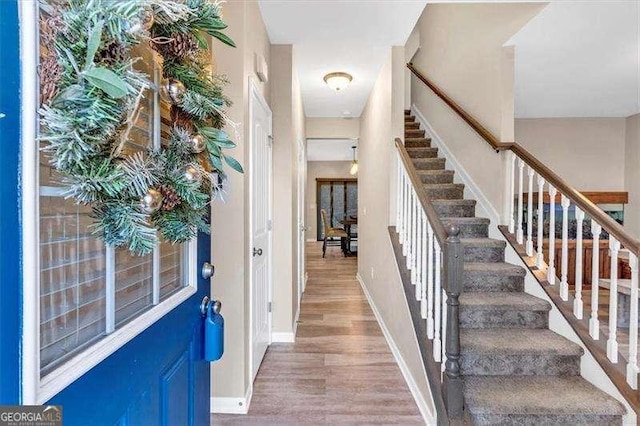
{"points": [[257, 252], [208, 270]]}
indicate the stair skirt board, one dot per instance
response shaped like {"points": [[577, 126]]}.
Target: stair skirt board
{"points": [[423, 406], [505, 338]]}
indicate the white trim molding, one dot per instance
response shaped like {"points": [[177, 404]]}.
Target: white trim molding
{"points": [[476, 192], [286, 337], [231, 405], [427, 415]]}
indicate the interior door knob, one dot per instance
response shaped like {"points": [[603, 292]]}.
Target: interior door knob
{"points": [[257, 252], [208, 270]]}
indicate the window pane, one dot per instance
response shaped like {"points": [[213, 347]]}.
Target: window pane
{"points": [[72, 281], [134, 285], [352, 199], [172, 268], [325, 204], [338, 208]]}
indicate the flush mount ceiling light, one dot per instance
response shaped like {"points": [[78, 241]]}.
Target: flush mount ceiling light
{"points": [[338, 80]]}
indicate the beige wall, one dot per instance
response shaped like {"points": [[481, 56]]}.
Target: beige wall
{"points": [[461, 51], [376, 261], [320, 169], [288, 137], [330, 128], [589, 153], [230, 219], [632, 174]]}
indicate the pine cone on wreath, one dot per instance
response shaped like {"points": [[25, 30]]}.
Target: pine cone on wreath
{"points": [[181, 45], [180, 118], [112, 54], [170, 198]]}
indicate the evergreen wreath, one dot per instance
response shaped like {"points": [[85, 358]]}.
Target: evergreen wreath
{"points": [[90, 96]]}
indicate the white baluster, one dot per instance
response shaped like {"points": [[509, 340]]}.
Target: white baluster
{"points": [[564, 284], [423, 280], [437, 343], [577, 301], [529, 246], [612, 343], [398, 192], [540, 256], [512, 187], [403, 230], [414, 220], [632, 366], [551, 272], [430, 306], [594, 323], [418, 252], [519, 233], [409, 229]]}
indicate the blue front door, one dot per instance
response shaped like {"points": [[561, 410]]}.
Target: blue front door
{"points": [[159, 377]]}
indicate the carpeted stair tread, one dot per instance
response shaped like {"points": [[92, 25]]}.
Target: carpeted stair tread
{"points": [[500, 300], [539, 400], [455, 208], [465, 220], [436, 176], [517, 341], [422, 152], [417, 143], [495, 268], [483, 242], [434, 163]]}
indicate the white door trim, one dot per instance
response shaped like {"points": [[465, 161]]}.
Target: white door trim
{"points": [[256, 95]]}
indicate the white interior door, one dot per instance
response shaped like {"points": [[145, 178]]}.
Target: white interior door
{"points": [[302, 227], [261, 195]]}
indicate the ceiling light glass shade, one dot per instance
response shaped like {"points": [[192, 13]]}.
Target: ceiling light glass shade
{"points": [[354, 163], [338, 80]]}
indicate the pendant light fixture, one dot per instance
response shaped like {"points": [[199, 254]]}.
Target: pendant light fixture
{"points": [[338, 80], [354, 163]]}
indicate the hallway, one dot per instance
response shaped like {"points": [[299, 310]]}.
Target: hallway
{"points": [[340, 370]]}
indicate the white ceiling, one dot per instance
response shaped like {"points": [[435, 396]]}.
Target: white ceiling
{"points": [[339, 35], [579, 59], [330, 149]]}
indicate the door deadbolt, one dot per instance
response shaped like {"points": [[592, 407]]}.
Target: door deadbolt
{"points": [[208, 270], [257, 252]]}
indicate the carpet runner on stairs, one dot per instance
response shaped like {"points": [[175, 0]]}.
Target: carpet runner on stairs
{"points": [[516, 370]]}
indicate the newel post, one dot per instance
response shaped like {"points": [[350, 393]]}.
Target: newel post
{"points": [[453, 269]]}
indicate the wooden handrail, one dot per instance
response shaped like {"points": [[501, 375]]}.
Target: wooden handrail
{"points": [[592, 210], [434, 219]]}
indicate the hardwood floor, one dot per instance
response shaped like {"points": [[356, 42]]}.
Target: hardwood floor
{"points": [[340, 369]]}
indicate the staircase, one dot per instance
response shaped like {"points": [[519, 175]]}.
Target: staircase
{"points": [[515, 370]]}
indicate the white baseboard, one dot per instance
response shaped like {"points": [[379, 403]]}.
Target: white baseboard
{"points": [[427, 415], [469, 183], [287, 337], [231, 405]]}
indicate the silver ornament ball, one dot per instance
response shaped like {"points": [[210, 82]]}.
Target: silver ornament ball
{"points": [[172, 91], [151, 202], [191, 174], [197, 144]]}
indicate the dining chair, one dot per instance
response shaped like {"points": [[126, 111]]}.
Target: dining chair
{"points": [[330, 233]]}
